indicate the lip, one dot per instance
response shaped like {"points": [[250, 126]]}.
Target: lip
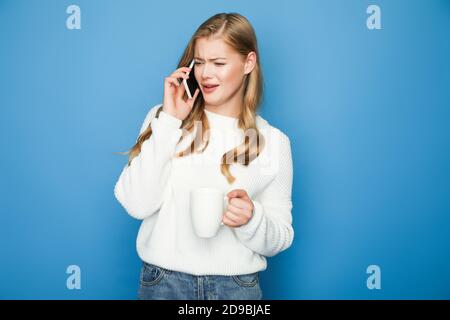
{"points": [[209, 90], [210, 84]]}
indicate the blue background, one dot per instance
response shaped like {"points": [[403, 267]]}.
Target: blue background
{"points": [[367, 112]]}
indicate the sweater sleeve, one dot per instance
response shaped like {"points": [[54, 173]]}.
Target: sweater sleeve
{"points": [[141, 185], [270, 231]]}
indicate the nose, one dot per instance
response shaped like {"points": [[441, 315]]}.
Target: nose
{"points": [[206, 72]]}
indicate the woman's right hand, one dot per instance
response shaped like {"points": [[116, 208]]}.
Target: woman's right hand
{"points": [[174, 103]]}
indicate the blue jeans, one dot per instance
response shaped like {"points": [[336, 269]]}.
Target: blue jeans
{"points": [[157, 283]]}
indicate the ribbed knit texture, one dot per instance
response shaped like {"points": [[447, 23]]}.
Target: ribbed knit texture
{"points": [[155, 188]]}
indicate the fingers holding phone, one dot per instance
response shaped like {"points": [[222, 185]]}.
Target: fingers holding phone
{"points": [[174, 104]]}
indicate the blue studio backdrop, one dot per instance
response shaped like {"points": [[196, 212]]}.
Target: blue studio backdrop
{"points": [[360, 87]]}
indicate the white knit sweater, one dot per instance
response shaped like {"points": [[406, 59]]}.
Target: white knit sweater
{"points": [[155, 188]]}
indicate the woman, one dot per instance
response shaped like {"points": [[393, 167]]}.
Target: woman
{"points": [[189, 143]]}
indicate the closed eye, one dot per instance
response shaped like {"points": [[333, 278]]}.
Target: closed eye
{"points": [[217, 64]]}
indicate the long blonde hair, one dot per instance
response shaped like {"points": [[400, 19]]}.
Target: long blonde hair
{"points": [[237, 32]]}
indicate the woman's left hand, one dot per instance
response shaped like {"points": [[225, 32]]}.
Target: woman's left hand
{"points": [[239, 210]]}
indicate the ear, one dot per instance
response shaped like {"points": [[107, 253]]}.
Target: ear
{"points": [[250, 62]]}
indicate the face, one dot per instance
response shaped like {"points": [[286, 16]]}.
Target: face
{"points": [[216, 63]]}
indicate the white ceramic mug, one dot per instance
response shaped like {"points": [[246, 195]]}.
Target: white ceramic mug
{"points": [[207, 207]]}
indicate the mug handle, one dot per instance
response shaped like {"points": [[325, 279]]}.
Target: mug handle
{"points": [[225, 204]]}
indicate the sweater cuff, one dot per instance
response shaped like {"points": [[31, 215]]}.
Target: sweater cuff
{"points": [[169, 120], [249, 229]]}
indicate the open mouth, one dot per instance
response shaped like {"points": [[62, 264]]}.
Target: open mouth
{"points": [[210, 88]]}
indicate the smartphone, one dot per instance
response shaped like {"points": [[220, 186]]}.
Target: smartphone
{"points": [[191, 84]]}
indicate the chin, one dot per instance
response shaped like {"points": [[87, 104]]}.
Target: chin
{"points": [[212, 101]]}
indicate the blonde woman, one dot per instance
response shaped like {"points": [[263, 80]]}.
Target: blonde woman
{"points": [[186, 143]]}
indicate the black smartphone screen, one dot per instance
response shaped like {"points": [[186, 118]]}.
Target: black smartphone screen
{"points": [[192, 82]]}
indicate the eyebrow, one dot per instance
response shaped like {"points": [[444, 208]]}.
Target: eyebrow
{"points": [[198, 58]]}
